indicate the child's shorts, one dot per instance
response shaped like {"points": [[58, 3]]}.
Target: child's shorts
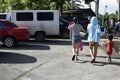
{"points": [[109, 53], [76, 39]]}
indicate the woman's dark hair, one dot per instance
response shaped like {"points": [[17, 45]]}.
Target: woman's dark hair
{"points": [[75, 20], [110, 37]]}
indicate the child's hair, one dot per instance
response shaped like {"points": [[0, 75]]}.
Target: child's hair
{"points": [[110, 37]]}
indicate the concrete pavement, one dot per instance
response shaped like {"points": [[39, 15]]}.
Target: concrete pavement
{"points": [[52, 61]]}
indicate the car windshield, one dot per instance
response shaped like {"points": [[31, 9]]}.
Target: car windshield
{"points": [[13, 24]]}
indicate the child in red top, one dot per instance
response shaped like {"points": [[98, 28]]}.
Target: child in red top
{"points": [[110, 45]]}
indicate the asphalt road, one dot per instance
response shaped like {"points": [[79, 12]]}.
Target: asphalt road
{"points": [[51, 60]]}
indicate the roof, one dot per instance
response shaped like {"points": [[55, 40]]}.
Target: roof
{"points": [[84, 12]]}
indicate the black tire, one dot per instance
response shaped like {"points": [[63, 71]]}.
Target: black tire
{"points": [[9, 42], [40, 37], [65, 34]]}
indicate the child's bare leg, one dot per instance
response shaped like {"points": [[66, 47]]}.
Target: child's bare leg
{"points": [[110, 58]]}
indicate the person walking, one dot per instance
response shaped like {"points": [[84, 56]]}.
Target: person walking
{"points": [[117, 28], [110, 46], [107, 27], [93, 30], [75, 29]]}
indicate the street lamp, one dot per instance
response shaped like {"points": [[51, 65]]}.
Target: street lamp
{"points": [[105, 8], [104, 15]]}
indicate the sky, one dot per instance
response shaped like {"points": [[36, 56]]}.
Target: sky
{"points": [[112, 6]]}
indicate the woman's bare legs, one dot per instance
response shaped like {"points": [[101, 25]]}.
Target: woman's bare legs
{"points": [[77, 50], [91, 50], [75, 47], [95, 50], [93, 53]]}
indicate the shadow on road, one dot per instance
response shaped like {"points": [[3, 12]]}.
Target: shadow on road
{"points": [[16, 58], [33, 45], [100, 63], [27, 46], [53, 42]]}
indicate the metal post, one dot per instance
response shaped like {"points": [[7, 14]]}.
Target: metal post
{"points": [[97, 7], [105, 9], [118, 9], [103, 16]]}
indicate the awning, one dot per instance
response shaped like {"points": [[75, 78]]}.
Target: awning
{"points": [[84, 12]]}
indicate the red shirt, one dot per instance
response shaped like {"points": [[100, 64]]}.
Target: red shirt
{"points": [[110, 46]]}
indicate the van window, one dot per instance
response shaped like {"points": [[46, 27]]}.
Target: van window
{"points": [[24, 16], [3, 16], [45, 16]]}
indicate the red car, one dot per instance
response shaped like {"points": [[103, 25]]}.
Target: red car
{"points": [[10, 33]]}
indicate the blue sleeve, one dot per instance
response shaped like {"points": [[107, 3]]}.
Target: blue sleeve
{"points": [[99, 29]]}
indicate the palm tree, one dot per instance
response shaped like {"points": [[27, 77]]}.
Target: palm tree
{"points": [[73, 4], [77, 4], [59, 4]]}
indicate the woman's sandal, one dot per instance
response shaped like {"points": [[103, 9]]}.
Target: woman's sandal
{"points": [[77, 59], [73, 58], [92, 61]]}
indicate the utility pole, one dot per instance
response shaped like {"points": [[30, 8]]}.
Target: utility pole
{"points": [[96, 7], [104, 16], [118, 9]]}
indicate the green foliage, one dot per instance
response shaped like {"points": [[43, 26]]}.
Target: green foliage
{"points": [[17, 4], [4, 6], [37, 4], [113, 16]]}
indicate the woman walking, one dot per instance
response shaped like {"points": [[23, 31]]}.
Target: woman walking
{"points": [[75, 29], [94, 31]]}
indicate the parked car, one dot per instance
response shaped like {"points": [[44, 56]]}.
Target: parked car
{"points": [[82, 20], [11, 34], [64, 32]]}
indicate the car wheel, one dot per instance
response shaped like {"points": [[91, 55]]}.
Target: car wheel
{"points": [[40, 37], [65, 34], [9, 42]]}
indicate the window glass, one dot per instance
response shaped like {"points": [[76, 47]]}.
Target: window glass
{"points": [[2, 25], [24, 16], [45, 16], [13, 24], [61, 23], [3, 16]]}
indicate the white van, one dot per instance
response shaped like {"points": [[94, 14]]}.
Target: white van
{"points": [[41, 23], [5, 16]]}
